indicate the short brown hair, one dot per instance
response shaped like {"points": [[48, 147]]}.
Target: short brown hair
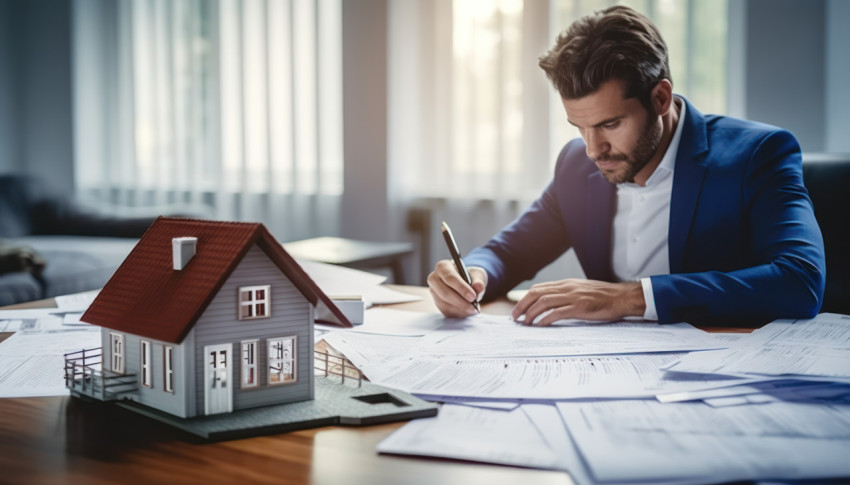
{"points": [[615, 43]]}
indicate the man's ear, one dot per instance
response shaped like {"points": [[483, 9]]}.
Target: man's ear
{"points": [[662, 97]]}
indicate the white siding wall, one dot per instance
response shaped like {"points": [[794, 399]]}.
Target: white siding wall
{"points": [[291, 314], [154, 396]]}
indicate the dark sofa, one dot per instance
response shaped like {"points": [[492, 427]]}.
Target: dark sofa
{"points": [[81, 248]]}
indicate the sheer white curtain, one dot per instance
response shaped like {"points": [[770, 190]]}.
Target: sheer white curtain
{"points": [[235, 104], [489, 125]]}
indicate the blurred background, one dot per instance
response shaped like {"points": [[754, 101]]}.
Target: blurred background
{"points": [[367, 119]]}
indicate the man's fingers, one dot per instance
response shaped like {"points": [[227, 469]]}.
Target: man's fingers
{"points": [[446, 286], [479, 281], [442, 291], [447, 272], [530, 298], [544, 304], [457, 308], [559, 313]]}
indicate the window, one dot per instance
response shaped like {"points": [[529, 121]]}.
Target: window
{"points": [[249, 363], [254, 302], [116, 348], [225, 103], [168, 365], [282, 360], [486, 122], [146, 363]]}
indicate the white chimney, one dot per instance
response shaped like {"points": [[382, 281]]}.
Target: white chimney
{"points": [[183, 250]]}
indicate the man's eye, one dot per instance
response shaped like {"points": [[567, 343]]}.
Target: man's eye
{"points": [[611, 126]]}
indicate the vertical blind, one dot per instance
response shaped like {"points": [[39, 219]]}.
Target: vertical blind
{"points": [[232, 104]]}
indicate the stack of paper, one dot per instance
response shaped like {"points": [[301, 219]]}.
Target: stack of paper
{"points": [[604, 401], [817, 348]]}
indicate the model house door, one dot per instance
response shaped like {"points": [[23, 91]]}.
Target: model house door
{"points": [[218, 386]]}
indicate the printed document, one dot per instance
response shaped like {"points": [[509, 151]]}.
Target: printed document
{"points": [[654, 441], [818, 347], [32, 364], [476, 434], [498, 336], [541, 378]]}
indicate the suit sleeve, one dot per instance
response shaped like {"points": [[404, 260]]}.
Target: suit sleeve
{"points": [[788, 273], [525, 246]]}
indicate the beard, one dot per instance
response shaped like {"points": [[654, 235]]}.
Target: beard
{"points": [[647, 145]]}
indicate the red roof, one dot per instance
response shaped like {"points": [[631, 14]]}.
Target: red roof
{"points": [[147, 297]]}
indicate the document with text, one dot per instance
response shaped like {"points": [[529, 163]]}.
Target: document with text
{"points": [[542, 378], [819, 347], [657, 441], [476, 434], [498, 336], [32, 363]]}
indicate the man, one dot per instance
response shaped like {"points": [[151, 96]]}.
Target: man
{"points": [[674, 215]]}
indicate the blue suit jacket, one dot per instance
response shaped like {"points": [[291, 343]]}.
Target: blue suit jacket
{"points": [[744, 245]]}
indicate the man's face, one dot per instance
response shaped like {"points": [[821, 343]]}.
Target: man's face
{"points": [[621, 136]]}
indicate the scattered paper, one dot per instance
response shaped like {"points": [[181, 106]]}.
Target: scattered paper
{"points": [[498, 336], [817, 347], [77, 302], [32, 363], [476, 434], [339, 280], [653, 441]]}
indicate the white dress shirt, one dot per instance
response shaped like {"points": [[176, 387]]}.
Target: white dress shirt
{"points": [[642, 223]]}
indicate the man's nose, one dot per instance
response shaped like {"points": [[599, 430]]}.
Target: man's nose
{"points": [[596, 145]]}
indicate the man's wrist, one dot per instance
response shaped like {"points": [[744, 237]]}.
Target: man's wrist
{"points": [[636, 304]]}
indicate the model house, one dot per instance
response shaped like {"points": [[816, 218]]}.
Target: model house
{"points": [[204, 318]]}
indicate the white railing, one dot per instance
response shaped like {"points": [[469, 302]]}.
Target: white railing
{"points": [[83, 374], [335, 365]]}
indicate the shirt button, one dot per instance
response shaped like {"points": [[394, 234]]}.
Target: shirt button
{"points": [[635, 239]]}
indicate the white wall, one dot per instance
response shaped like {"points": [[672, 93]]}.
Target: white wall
{"points": [[785, 67], [47, 137], [837, 76], [8, 87], [35, 90], [365, 201]]}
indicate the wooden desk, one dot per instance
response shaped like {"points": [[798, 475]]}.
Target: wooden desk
{"points": [[63, 440]]}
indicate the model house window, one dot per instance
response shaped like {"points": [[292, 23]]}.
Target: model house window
{"points": [[146, 363], [168, 357], [249, 363], [282, 360], [117, 351], [254, 302]]}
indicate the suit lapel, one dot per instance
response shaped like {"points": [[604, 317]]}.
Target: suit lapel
{"points": [[687, 184], [601, 197]]}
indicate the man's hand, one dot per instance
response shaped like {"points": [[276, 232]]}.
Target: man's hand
{"points": [[581, 299], [451, 294]]}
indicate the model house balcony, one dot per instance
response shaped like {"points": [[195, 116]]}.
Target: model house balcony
{"points": [[85, 376]]}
